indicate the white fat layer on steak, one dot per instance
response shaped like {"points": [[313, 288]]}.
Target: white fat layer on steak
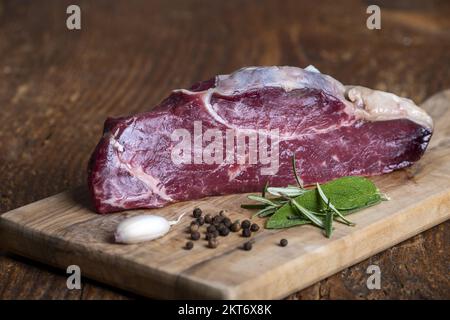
{"points": [[288, 78], [375, 105], [361, 102]]}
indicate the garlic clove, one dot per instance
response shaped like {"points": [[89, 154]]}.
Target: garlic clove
{"points": [[141, 228]]}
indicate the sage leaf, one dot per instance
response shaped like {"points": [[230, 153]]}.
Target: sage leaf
{"points": [[331, 206], [308, 214], [350, 193], [281, 219]]}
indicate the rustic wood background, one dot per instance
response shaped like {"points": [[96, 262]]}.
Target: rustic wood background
{"points": [[57, 87]]}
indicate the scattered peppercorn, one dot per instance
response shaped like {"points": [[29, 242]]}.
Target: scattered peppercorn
{"points": [[197, 213], [283, 242], [209, 236], [200, 221], [224, 231], [217, 219], [246, 224], [254, 227], [248, 246], [195, 235], [189, 245], [216, 233], [246, 233], [236, 226], [211, 228], [208, 218], [193, 227], [227, 222], [213, 243]]}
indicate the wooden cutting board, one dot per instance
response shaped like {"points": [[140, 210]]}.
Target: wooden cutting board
{"points": [[63, 230]]}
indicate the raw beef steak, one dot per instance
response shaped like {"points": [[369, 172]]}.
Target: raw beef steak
{"points": [[233, 133]]}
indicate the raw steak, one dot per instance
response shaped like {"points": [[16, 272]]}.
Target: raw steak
{"points": [[252, 122]]}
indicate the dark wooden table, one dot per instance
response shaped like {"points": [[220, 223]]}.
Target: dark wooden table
{"points": [[57, 87]]}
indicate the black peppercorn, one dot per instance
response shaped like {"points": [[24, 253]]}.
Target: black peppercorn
{"points": [[227, 222], [213, 243], [236, 226], [254, 227], [208, 218], [216, 233], [209, 236], [222, 213], [220, 226], [283, 242], [197, 213], [246, 233], [217, 219], [195, 235], [248, 246], [224, 231], [193, 227], [200, 221], [211, 228], [189, 245], [246, 224]]}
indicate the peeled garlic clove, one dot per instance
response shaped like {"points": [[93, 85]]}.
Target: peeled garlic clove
{"points": [[143, 228]]}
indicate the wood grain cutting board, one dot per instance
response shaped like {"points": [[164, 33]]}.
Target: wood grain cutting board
{"points": [[62, 230]]}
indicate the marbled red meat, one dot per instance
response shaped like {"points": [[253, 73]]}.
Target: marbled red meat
{"points": [[333, 130]]}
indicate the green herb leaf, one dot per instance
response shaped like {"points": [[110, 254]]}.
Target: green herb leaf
{"points": [[263, 193], [308, 214], [289, 191], [297, 178], [253, 206], [280, 219], [349, 193], [329, 224], [331, 206], [261, 199], [266, 211]]}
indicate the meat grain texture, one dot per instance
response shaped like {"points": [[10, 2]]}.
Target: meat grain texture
{"points": [[333, 130]]}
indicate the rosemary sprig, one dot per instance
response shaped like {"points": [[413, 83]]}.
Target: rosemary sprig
{"points": [[329, 223], [253, 206], [263, 200], [263, 193], [267, 211], [297, 178], [322, 206], [331, 206], [292, 191], [308, 214]]}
